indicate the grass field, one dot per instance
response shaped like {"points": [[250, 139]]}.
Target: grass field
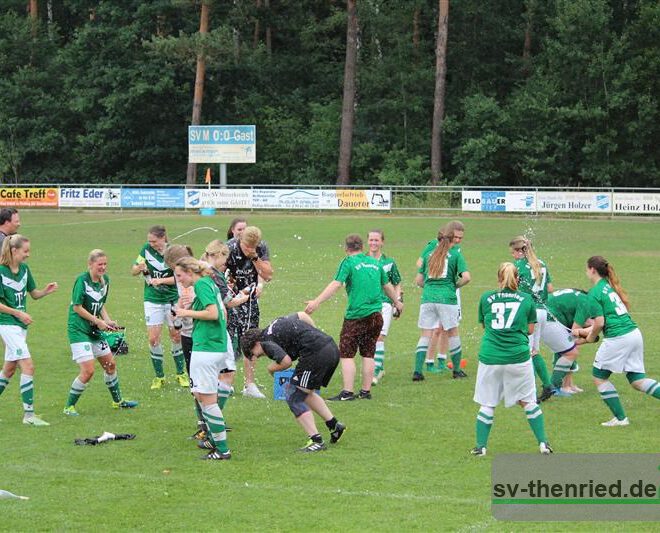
{"points": [[404, 462]]}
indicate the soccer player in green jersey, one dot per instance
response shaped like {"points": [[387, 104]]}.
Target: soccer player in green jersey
{"points": [[376, 239], [505, 370], [442, 272], [88, 317], [622, 349], [160, 294], [535, 280], [210, 353], [365, 281], [16, 282]]}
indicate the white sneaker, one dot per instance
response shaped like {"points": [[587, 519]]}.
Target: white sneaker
{"points": [[34, 420], [252, 391], [616, 422], [545, 448]]}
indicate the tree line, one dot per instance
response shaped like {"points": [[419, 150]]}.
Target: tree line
{"points": [[397, 92]]}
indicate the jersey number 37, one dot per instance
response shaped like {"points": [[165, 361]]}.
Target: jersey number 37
{"points": [[504, 314]]}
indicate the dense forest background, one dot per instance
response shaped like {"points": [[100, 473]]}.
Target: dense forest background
{"points": [[536, 92]]}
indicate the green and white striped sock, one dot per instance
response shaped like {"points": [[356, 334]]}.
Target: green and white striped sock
{"points": [[224, 391], [27, 393], [562, 367], [455, 352], [379, 358], [156, 353], [536, 422], [77, 388], [420, 353], [4, 381], [651, 387], [485, 418], [610, 396], [216, 424], [112, 382], [179, 360]]}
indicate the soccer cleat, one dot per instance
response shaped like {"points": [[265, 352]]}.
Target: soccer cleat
{"points": [[336, 433], [431, 369], [70, 410], [216, 455], [205, 444], [545, 448], [125, 404], [546, 394], [418, 376], [183, 380], [616, 422], [200, 434], [458, 374], [252, 391], [34, 420], [312, 446], [157, 383], [364, 395], [478, 451], [564, 393], [343, 396]]}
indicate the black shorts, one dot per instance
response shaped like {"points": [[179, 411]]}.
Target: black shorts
{"points": [[315, 371], [186, 346], [360, 333]]}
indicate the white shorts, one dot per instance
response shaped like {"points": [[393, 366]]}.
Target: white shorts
{"points": [[205, 367], [386, 311], [433, 316], [14, 338], [86, 351], [458, 301], [231, 356], [621, 354], [511, 383], [556, 337], [535, 338], [158, 314]]}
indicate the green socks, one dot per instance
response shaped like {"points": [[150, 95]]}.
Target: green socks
{"points": [[379, 358], [420, 353], [651, 387], [562, 367], [216, 424], [27, 393], [224, 391], [536, 422], [77, 388], [455, 352], [112, 382], [179, 360], [611, 398], [484, 424], [157, 360], [541, 370], [3, 382]]}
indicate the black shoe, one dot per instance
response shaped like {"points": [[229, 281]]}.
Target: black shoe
{"points": [[228, 428], [343, 396], [478, 451], [216, 455], [205, 445], [458, 374], [546, 394], [336, 433], [313, 446], [418, 376], [364, 395]]}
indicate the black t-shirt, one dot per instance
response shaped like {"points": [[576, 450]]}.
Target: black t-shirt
{"points": [[241, 268], [288, 335]]}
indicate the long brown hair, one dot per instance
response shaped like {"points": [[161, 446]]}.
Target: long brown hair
{"points": [[605, 270], [439, 255], [525, 245], [507, 276]]}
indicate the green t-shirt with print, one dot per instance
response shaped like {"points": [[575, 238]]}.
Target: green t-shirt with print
{"points": [[91, 296], [442, 289], [567, 306], [364, 279], [605, 302], [538, 288], [157, 268], [14, 289], [392, 272], [208, 335]]}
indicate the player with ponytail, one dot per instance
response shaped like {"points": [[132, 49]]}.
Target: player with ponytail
{"points": [[622, 350]]}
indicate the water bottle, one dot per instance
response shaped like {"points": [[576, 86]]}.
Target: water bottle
{"points": [[177, 322]]}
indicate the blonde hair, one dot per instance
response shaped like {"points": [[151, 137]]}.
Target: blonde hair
{"points": [[454, 226], [193, 266], [175, 252], [439, 255], [525, 246], [215, 247], [95, 254], [251, 236], [605, 270], [11, 242], [507, 276]]}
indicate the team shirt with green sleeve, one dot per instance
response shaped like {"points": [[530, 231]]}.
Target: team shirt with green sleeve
{"points": [[442, 289], [568, 306], [157, 268], [208, 335], [92, 296], [537, 288], [364, 279], [506, 316], [605, 302], [392, 272], [13, 292]]}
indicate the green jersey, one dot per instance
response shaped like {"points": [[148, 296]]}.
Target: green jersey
{"points": [[364, 279], [92, 296], [538, 288], [506, 316], [392, 272], [431, 245], [208, 335], [605, 302], [13, 292], [567, 306], [442, 289], [156, 268]]}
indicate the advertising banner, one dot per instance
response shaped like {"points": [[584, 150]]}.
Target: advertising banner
{"points": [[222, 144], [90, 197], [356, 199], [28, 197], [219, 198], [575, 202], [152, 198], [636, 203], [286, 198]]}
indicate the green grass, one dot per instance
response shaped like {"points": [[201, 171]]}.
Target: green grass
{"points": [[402, 465]]}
